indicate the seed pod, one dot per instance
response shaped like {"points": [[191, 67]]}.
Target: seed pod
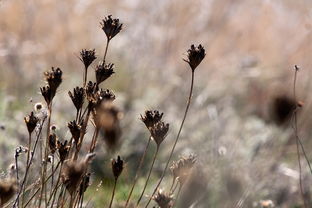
{"points": [[77, 97], [75, 130], [53, 142], [164, 200], [103, 71], [54, 79], [150, 118], [159, 132], [63, 150]]}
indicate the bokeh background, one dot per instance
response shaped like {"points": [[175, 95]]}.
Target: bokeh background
{"points": [[243, 88]]}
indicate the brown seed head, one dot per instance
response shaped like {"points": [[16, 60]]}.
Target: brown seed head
{"points": [[63, 150], [111, 26], [195, 55], [150, 118], [159, 132], [77, 97], [47, 94], [117, 166], [164, 200], [96, 96], [72, 174], [31, 122], [87, 57], [103, 71], [182, 168], [74, 129], [53, 142], [8, 187], [54, 79]]}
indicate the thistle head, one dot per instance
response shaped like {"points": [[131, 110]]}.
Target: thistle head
{"points": [[111, 26], [87, 57], [195, 55]]}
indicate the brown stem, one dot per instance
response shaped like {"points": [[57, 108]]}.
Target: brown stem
{"points": [[137, 171], [113, 194], [148, 177], [106, 48], [176, 140]]}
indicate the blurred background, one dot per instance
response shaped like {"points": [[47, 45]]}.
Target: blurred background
{"points": [[239, 122]]}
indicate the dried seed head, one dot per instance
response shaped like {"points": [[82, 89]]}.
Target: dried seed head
{"points": [[54, 79], [182, 168], [8, 187], [150, 118], [195, 55], [63, 150], [74, 129], [91, 89], [96, 96], [72, 174], [159, 132], [117, 166], [164, 200], [47, 94], [103, 71], [31, 122], [77, 97], [52, 142], [107, 119], [111, 26], [87, 57]]}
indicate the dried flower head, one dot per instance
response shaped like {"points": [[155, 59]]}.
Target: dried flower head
{"points": [[117, 166], [195, 55], [164, 200], [98, 96], [159, 132], [150, 118], [31, 122], [91, 89], [107, 118], [103, 71], [47, 94], [72, 174], [182, 168], [52, 142], [8, 187], [63, 149], [54, 79], [75, 130], [77, 97], [111, 26], [87, 57]]}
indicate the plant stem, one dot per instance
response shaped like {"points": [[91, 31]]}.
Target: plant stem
{"points": [[106, 48], [176, 140], [85, 75], [137, 170], [113, 194], [148, 177], [297, 140]]}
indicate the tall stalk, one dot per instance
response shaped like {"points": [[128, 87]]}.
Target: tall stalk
{"points": [[176, 140], [137, 171], [148, 177], [113, 194]]}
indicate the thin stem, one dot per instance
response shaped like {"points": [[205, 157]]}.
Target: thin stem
{"points": [[106, 48], [176, 140], [297, 140], [94, 139], [137, 170], [148, 177], [113, 194], [29, 164], [177, 197], [85, 75]]}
